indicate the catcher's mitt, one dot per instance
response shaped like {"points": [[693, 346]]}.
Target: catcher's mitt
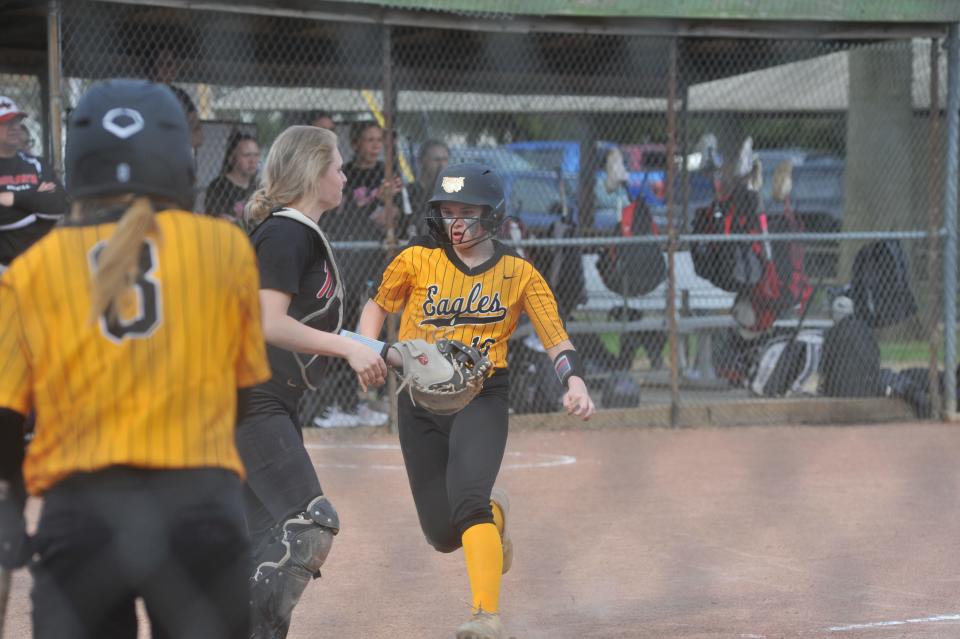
{"points": [[442, 377]]}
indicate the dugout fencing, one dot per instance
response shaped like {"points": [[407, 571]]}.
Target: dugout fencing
{"points": [[582, 116]]}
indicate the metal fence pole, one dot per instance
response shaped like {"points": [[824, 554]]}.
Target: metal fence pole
{"points": [[389, 108], [672, 235], [933, 225], [54, 68], [950, 220]]}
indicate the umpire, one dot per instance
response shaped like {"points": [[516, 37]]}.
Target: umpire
{"points": [[106, 333]]}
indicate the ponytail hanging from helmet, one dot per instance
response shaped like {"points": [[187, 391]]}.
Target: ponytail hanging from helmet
{"points": [[118, 261]]}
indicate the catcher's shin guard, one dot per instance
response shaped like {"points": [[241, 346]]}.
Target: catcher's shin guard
{"points": [[286, 564]]}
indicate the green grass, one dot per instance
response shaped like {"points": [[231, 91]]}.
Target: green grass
{"points": [[914, 352], [611, 341]]}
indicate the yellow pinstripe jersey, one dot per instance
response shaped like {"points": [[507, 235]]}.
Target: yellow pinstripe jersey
{"points": [[155, 388], [441, 297]]}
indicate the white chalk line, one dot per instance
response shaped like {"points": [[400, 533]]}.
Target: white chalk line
{"points": [[540, 460], [885, 624]]}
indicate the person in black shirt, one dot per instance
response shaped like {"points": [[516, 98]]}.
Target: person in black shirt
{"points": [[291, 522], [32, 200], [228, 193]]}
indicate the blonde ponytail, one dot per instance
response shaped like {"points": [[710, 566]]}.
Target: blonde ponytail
{"points": [[118, 261], [258, 207]]}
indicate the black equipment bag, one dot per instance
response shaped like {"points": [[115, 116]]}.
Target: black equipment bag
{"points": [[880, 287], [850, 362], [534, 387], [633, 269], [732, 266]]}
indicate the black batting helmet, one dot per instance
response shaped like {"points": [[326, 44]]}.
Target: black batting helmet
{"points": [[468, 183], [130, 136]]}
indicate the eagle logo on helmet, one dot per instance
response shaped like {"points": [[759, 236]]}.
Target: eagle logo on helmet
{"points": [[452, 184]]}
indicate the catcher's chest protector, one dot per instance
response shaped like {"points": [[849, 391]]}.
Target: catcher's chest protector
{"points": [[318, 304]]}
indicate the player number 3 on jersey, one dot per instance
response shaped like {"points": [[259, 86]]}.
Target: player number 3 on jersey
{"points": [[140, 312]]}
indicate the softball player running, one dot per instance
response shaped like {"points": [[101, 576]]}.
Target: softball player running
{"points": [[107, 332], [460, 283], [290, 520]]}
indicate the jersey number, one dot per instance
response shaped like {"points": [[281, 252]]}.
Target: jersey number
{"points": [[145, 318], [484, 346]]}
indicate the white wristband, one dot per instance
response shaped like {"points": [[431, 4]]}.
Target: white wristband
{"points": [[369, 342]]}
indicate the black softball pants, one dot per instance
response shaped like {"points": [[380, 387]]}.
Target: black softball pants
{"points": [[174, 538], [281, 480], [452, 461]]}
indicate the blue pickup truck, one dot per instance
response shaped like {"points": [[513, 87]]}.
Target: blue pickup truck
{"points": [[565, 155], [533, 194]]}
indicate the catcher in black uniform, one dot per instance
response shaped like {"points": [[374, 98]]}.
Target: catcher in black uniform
{"points": [[463, 290]]}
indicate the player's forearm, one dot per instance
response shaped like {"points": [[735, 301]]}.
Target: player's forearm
{"points": [[570, 377], [553, 351], [371, 320], [289, 334]]}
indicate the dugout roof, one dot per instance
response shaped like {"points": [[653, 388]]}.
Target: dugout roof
{"points": [[741, 32]]}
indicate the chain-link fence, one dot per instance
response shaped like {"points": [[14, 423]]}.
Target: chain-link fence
{"points": [[721, 219]]}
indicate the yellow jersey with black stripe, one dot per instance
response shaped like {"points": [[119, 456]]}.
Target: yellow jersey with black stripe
{"points": [[442, 297], [155, 385]]}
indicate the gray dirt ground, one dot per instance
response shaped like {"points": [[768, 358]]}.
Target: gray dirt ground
{"points": [[749, 533]]}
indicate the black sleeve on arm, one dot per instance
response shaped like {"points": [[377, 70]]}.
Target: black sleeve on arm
{"points": [[11, 445], [50, 202], [284, 251]]}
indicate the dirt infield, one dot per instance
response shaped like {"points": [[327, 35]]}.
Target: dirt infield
{"points": [[845, 532]]}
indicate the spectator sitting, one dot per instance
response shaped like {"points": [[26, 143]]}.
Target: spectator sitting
{"points": [[433, 157], [228, 193]]}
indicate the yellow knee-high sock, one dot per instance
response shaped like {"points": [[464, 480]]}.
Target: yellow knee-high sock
{"points": [[484, 556], [497, 516]]}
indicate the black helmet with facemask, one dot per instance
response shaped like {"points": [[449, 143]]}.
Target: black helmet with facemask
{"points": [[472, 184]]}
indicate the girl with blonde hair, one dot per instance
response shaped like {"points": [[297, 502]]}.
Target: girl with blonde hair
{"points": [[108, 336], [290, 520]]}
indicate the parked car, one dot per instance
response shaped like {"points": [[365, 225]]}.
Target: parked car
{"points": [[646, 167], [565, 155], [501, 159], [534, 197], [533, 194]]}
